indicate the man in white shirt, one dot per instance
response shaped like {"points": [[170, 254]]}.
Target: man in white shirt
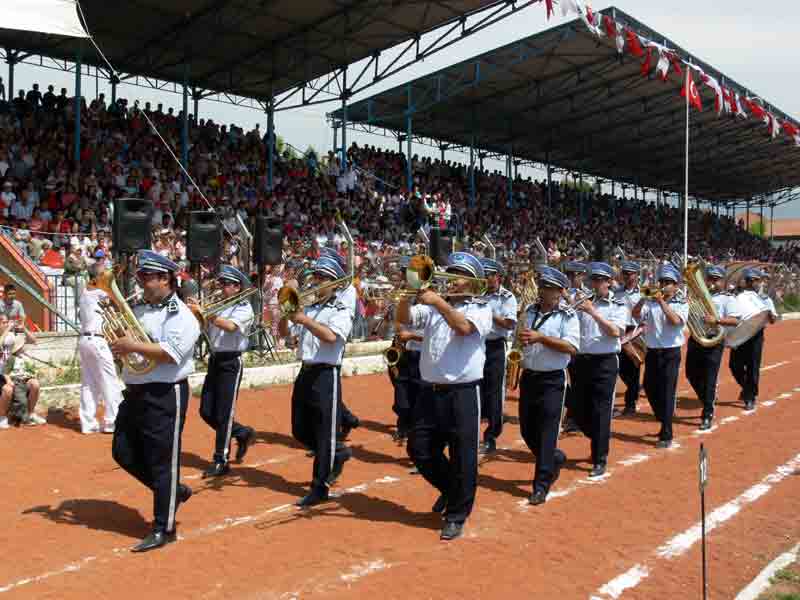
{"points": [[98, 373]]}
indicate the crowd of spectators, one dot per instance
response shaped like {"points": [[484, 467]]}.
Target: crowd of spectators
{"points": [[60, 215]]}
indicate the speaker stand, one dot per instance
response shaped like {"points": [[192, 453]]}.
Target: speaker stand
{"points": [[262, 342]]}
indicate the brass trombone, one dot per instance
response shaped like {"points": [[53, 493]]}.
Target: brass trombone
{"points": [[290, 300], [651, 292], [421, 274], [216, 303]]}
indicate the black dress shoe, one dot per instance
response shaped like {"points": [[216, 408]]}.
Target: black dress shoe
{"points": [[338, 465], [664, 444], [243, 443], [751, 405], [451, 531], [155, 540], [570, 426], [537, 498], [598, 470], [348, 427], [314, 497], [487, 447], [184, 493], [217, 470], [440, 504], [705, 425], [400, 436]]}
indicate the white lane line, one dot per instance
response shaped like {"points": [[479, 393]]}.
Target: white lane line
{"points": [[768, 403], [762, 582], [785, 395], [358, 571], [681, 543], [633, 460], [70, 568], [775, 366], [729, 419]]}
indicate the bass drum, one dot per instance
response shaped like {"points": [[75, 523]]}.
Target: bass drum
{"points": [[746, 329]]}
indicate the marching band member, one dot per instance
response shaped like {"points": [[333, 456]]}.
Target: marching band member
{"points": [[349, 296], [702, 364], [504, 321], [665, 318], [406, 378], [322, 330], [629, 371], [602, 321], [550, 339], [448, 410], [745, 361], [98, 373], [228, 333], [575, 271], [147, 435]]}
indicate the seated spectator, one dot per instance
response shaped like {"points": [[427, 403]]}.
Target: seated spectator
{"points": [[16, 384]]}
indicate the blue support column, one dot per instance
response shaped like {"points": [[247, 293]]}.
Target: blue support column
{"points": [[11, 59], [185, 124], [77, 149], [344, 119], [409, 174], [472, 199], [270, 141], [114, 83]]}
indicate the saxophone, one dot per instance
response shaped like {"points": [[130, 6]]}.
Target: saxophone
{"points": [[526, 293], [119, 321]]}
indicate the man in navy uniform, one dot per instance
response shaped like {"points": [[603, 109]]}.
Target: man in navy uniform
{"points": [[550, 338], [228, 333], [602, 321], [745, 360], [664, 316], [448, 411], [504, 320], [576, 272], [321, 330], [149, 425], [629, 372], [349, 297], [702, 364]]}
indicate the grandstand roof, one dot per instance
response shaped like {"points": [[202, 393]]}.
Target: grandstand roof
{"points": [[567, 95], [251, 48]]}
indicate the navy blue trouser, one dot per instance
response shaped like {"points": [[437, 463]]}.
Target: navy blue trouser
{"points": [[147, 442], [661, 368], [541, 402], [702, 371], [493, 388], [594, 399], [745, 364], [448, 416], [630, 373], [406, 389], [218, 401], [316, 418]]}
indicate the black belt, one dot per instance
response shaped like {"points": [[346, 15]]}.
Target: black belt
{"points": [[494, 341], [532, 372], [225, 355], [91, 335], [144, 386], [443, 387], [314, 366], [603, 355]]}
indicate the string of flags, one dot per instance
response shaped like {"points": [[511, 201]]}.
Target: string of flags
{"points": [[666, 62]]}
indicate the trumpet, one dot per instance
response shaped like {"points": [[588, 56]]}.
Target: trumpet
{"points": [[291, 300], [422, 274], [651, 292], [216, 303]]}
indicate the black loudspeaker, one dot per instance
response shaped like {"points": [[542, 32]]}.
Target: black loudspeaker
{"points": [[268, 242], [599, 251], [133, 219], [204, 237], [441, 245]]}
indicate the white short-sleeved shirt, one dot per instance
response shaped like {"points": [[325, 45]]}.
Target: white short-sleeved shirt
{"points": [[335, 315], [89, 310], [727, 306], [631, 298], [233, 341], [593, 339], [560, 323], [750, 304], [172, 326], [660, 333], [503, 305], [446, 357]]}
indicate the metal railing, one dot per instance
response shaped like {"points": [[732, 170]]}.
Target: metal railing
{"points": [[65, 290]]}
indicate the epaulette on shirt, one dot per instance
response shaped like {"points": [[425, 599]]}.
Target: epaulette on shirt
{"points": [[618, 301], [477, 300], [504, 293], [678, 298]]}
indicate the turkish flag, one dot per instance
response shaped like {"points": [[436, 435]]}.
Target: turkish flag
{"points": [[756, 109], [549, 4], [633, 43], [646, 64], [694, 95], [791, 129], [611, 27]]}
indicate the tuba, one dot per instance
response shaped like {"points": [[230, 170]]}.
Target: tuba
{"points": [[700, 306], [119, 321]]}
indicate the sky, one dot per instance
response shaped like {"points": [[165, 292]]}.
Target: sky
{"points": [[754, 43]]}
